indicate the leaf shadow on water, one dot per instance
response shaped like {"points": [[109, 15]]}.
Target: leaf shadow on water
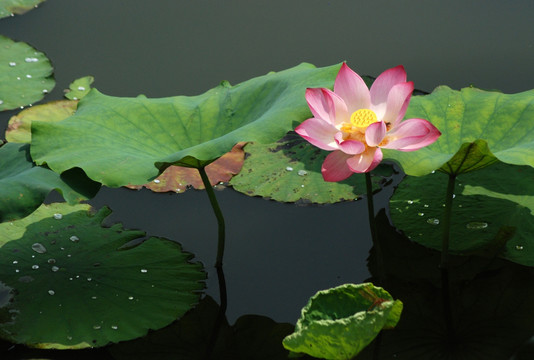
{"points": [[492, 303]]}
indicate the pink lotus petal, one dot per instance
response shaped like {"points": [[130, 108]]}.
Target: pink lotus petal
{"points": [[318, 133], [382, 85], [412, 134], [397, 103], [366, 161], [352, 89], [351, 147], [335, 167], [374, 134], [325, 104]]}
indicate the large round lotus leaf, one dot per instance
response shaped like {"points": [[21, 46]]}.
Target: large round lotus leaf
{"points": [[71, 285], [117, 141], [19, 126], [25, 74], [289, 170], [24, 186], [338, 323], [19, 7], [493, 211], [504, 121]]}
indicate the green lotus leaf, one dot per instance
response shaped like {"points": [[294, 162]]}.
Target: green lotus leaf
{"points": [[19, 126], [504, 121], [493, 212], [338, 323], [117, 141], [24, 186], [73, 284], [289, 170], [79, 88], [19, 7], [25, 74]]}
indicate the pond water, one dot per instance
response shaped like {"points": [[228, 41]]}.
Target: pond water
{"points": [[277, 255]]}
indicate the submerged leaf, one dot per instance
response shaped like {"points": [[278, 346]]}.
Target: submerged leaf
{"points": [[338, 323], [503, 121], [128, 137], [24, 186], [73, 286], [493, 212], [25, 74]]}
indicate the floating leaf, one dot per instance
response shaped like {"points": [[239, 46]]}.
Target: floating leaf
{"points": [[338, 323], [79, 88], [24, 186], [19, 7], [179, 178], [117, 141], [19, 126], [493, 212], [289, 170], [25, 74], [504, 121], [73, 286]]}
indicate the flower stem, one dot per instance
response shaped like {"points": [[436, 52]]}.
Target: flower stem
{"points": [[444, 265], [218, 262], [374, 232]]}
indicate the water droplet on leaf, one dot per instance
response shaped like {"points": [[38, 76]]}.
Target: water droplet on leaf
{"points": [[289, 168], [51, 292], [39, 248], [433, 221], [58, 216], [35, 267], [476, 225], [74, 238], [302, 172]]}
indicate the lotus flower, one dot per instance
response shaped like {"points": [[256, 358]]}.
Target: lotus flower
{"points": [[356, 123]]}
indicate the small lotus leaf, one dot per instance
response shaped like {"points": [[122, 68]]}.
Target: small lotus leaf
{"points": [[338, 323], [18, 7], [24, 186], [493, 212], [129, 141], [19, 126], [79, 88], [503, 121], [73, 284], [289, 170], [25, 74]]}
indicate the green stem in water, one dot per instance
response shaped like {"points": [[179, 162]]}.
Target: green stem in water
{"points": [[374, 231], [444, 266], [218, 261]]}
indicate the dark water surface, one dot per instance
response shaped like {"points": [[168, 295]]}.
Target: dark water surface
{"points": [[277, 255]]}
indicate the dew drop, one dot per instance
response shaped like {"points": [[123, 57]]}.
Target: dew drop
{"points": [[289, 168], [12, 63], [15, 262], [31, 59], [97, 327], [130, 297], [74, 238], [35, 267], [51, 292], [81, 88], [89, 279], [55, 268], [1, 102], [433, 221], [51, 261], [45, 91], [58, 216], [69, 337], [39, 248], [157, 181], [410, 202], [302, 172], [144, 270], [69, 255], [302, 185], [28, 76], [433, 171], [114, 327], [18, 77], [519, 247], [93, 297], [476, 225], [421, 214]]}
